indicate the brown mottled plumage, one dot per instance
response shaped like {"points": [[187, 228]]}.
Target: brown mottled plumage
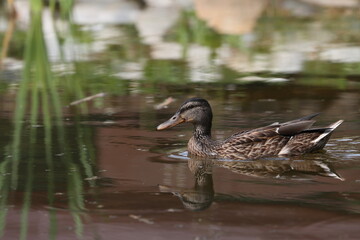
{"points": [[290, 138]]}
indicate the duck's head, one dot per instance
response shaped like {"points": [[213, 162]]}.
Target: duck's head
{"points": [[194, 110]]}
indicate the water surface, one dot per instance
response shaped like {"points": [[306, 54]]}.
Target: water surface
{"points": [[98, 169]]}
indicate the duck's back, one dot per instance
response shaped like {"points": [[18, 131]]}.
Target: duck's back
{"points": [[290, 138], [252, 144]]}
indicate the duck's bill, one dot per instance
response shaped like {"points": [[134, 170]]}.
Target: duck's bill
{"points": [[173, 121]]}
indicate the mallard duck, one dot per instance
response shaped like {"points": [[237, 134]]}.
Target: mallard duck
{"points": [[278, 139]]}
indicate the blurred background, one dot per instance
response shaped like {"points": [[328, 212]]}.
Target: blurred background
{"points": [[83, 85], [233, 50]]}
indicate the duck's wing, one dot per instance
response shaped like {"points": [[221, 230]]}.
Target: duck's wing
{"points": [[260, 142], [259, 134], [290, 138]]}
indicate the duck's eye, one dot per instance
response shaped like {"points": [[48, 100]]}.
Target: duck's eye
{"points": [[173, 118]]}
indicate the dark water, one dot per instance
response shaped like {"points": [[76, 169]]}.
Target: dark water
{"points": [[142, 183], [98, 169]]}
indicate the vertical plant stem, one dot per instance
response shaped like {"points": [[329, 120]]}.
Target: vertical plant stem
{"points": [[30, 167], [49, 159], [6, 40], [4, 183]]}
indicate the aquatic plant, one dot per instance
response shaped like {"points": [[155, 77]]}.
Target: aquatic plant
{"points": [[38, 121]]}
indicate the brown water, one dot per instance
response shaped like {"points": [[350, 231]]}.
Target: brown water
{"points": [[145, 186], [98, 169]]}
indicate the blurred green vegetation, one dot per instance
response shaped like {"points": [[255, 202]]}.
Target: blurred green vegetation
{"points": [[66, 161], [190, 29], [96, 74]]}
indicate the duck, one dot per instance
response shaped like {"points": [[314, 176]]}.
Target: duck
{"points": [[292, 138]]}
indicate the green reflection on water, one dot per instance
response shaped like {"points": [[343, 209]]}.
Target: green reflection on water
{"points": [[39, 131], [4, 183]]}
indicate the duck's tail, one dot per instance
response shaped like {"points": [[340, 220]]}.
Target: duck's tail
{"points": [[302, 143], [327, 132]]}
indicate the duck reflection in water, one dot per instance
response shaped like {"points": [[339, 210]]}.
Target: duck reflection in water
{"points": [[292, 138], [201, 196]]}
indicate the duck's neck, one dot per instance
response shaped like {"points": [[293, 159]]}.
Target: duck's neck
{"points": [[201, 143], [202, 131]]}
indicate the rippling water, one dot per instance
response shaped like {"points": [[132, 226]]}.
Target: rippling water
{"points": [[144, 179], [81, 96]]}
